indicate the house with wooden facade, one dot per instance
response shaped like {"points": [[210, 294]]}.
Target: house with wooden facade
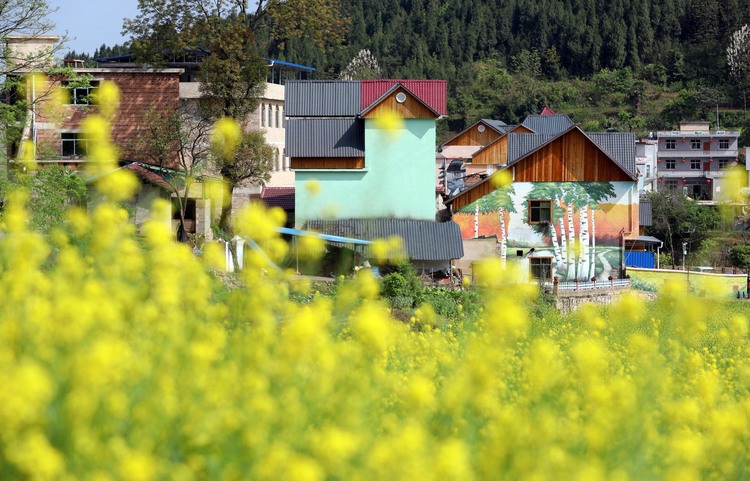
{"points": [[365, 150], [562, 201]]}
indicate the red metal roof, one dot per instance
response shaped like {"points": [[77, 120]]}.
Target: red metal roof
{"points": [[431, 92], [149, 176], [278, 197], [547, 111]]}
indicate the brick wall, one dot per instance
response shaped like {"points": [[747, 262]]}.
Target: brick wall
{"points": [[140, 91]]}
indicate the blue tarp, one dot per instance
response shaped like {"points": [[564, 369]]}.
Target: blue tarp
{"points": [[331, 238], [639, 259]]}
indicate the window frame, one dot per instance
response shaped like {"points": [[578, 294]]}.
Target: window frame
{"points": [[723, 163], [84, 97], [696, 144], [670, 184], [535, 205], [540, 263], [668, 162], [78, 145], [723, 144], [695, 164], [671, 144]]}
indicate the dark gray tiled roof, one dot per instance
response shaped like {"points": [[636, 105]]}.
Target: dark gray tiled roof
{"points": [[548, 124], [645, 217], [322, 98], [325, 138], [423, 240], [619, 146], [498, 125], [520, 145]]}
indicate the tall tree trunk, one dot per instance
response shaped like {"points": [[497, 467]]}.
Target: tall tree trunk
{"points": [[503, 242], [593, 243], [571, 247], [476, 221], [583, 239], [226, 225], [556, 246], [563, 266]]}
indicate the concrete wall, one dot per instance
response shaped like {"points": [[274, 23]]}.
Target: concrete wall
{"points": [[702, 284], [475, 250], [398, 179]]}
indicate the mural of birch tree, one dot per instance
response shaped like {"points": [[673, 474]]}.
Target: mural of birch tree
{"points": [[575, 255], [499, 201]]}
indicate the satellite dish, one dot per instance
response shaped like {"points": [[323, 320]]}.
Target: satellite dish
{"points": [[480, 128], [400, 97]]}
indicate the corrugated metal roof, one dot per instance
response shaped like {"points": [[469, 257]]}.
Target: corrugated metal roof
{"points": [[387, 93], [619, 146], [548, 124], [498, 125], [645, 215], [325, 138], [322, 98], [278, 197], [519, 145], [423, 240], [431, 92]]}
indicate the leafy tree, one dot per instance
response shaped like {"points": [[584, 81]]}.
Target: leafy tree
{"points": [[233, 72], [362, 67], [178, 143], [738, 59], [31, 18], [677, 219], [740, 256], [51, 191]]}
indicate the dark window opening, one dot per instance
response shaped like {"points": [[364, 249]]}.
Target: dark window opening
{"points": [[540, 211], [540, 268]]}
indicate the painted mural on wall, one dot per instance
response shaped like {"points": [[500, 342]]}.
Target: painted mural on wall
{"points": [[567, 229]]}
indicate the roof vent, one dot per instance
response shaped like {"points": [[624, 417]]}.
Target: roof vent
{"points": [[400, 97], [480, 128]]}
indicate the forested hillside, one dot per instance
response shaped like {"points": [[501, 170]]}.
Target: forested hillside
{"points": [[627, 64]]}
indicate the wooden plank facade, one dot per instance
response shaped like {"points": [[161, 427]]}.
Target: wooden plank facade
{"points": [[302, 163], [411, 108], [572, 157], [472, 136], [494, 154]]}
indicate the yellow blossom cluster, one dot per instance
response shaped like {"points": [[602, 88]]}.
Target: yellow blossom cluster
{"points": [[121, 359]]}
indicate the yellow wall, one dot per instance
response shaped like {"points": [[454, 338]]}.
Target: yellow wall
{"points": [[710, 285]]}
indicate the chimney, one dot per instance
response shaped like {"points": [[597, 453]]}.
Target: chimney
{"points": [[30, 52]]}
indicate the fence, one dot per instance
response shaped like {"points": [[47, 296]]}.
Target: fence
{"points": [[556, 286]]}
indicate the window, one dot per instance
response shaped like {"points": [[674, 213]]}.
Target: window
{"points": [[670, 164], [724, 144], [671, 144], [73, 144], [540, 267], [695, 144], [540, 211], [276, 112], [648, 171], [80, 95], [262, 115], [695, 164], [723, 163], [670, 184]]}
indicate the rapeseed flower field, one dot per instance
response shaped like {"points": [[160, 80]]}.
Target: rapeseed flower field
{"points": [[119, 361]]}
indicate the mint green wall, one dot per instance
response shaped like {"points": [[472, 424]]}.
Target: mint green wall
{"points": [[398, 180]]}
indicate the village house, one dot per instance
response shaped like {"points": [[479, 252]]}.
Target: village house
{"points": [[561, 201], [364, 151]]}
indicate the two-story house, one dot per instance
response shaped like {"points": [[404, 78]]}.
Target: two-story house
{"points": [[695, 160], [363, 153], [563, 202]]}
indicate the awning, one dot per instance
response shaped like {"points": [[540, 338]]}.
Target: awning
{"points": [[645, 239], [330, 238]]}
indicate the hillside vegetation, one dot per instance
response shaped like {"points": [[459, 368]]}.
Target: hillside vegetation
{"points": [[631, 65]]}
